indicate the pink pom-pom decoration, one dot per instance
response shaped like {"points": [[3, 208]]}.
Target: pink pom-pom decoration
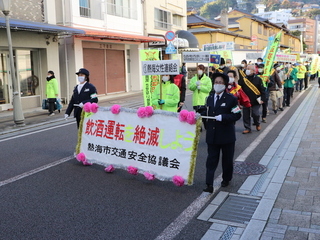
{"points": [[141, 112], [148, 111], [115, 109], [132, 170], [109, 169], [94, 107], [149, 176], [191, 118], [178, 180], [81, 157], [87, 107], [183, 115], [86, 163]]}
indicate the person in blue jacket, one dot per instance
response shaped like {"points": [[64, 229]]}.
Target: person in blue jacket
{"points": [[82, 93], [220, 115]]}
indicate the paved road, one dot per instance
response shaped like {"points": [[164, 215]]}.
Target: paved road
{"points": [[47, 194]]}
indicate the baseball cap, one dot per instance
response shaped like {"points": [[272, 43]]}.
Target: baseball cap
{"points": [[83, 71]]}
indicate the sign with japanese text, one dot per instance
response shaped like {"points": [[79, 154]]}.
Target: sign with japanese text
{"points": [[196, 57], [125, 139], [218, 46], [161, 43], [270, 56], [314, 64], [162, 67], [280, 57], [149, 81]]}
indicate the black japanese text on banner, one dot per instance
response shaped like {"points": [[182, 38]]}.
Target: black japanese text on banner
{"points": [[196, 57], [163, 67]]}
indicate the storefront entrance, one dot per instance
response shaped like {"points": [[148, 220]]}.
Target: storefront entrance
{"points": [[5, 85]]}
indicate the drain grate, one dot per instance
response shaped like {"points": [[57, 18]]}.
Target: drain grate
{"points": [[237, 209], [244, 168]]}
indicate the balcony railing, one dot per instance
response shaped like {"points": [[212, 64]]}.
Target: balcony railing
{"points": [[121, 11]]}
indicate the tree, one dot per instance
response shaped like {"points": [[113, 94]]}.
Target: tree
{"points": [[212, 9], [312, 13]]}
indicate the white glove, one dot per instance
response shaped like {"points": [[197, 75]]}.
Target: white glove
{"points": [[198, 87], [66, 116], [218, 118], [198, 83], [81, 105]]}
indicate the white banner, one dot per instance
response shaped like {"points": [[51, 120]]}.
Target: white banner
{"points": [[162, 67], [196, 57], [218, 46], [285, 58], [159, 144]]}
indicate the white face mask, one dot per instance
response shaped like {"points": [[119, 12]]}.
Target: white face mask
{"points": [[231, 80], [48, 75], [278, 69], [165, 78], [260, 70], [228, 65], [242, 65], [218, 88], [248, 72], [200, 72], [81, 79], [222, 66]]}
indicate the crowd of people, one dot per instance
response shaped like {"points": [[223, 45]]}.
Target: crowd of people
{"points": [[221, 97], [228, 91]]}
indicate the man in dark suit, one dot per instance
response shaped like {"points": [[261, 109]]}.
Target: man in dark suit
{"points": [[221, 113], [82, 93]]}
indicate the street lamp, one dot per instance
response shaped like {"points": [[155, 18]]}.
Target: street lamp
{"points": [[18, 117]]}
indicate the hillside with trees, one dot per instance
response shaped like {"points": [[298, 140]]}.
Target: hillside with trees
{"points": [[211, 9]]}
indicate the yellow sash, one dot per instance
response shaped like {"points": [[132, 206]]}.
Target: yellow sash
{"points": [[235, 90], [250, 84]]}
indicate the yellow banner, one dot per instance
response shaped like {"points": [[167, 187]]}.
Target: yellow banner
{"points": [[314, 64], [149, 82], [270, 56]]}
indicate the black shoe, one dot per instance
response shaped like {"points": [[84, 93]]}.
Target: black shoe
{"points": [[275, 111], [224, 183], [281, 109], [288, 105], [208, 189]]}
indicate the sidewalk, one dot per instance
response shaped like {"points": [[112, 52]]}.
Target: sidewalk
{"points": [[287, 195]]}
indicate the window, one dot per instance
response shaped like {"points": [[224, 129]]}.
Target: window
{"points": [[260, 29], [176, 20], [84, 8], [122, 8], [265, 31], [162, 19]]}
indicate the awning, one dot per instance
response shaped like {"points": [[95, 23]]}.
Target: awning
{"points": [[24, 25], [107, 35], [193, 41]]}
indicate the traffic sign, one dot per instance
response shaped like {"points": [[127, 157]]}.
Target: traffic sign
{"points": [[254, 38], [170, 35], [171, 49]]}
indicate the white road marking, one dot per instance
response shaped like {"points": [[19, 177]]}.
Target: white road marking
{"points": [[243, 156], [36, 170], [185, 217], [38, 131]]}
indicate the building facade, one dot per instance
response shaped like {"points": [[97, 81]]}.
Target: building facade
{"points": [[307, 27], [35, 51]]}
